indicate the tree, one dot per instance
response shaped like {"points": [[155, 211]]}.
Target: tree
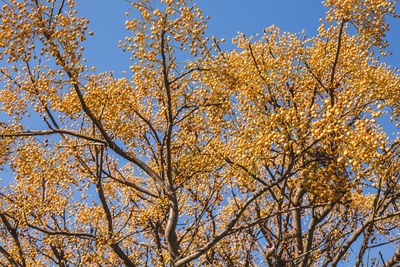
{"points": [[269, 154]]}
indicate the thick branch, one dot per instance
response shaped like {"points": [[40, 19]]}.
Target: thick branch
{"points": [[170, 228], [393, 260], [296, 217]]}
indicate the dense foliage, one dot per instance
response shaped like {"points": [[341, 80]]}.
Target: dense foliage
{"points": [[270, 154]]}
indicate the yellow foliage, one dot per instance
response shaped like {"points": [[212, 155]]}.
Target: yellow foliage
{"points": [[269, 154]]}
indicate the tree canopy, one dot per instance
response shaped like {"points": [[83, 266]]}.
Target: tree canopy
{"points": [[274, 153]]}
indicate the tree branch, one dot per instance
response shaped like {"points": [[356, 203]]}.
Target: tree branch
{"points": [[50, 132], [228, 228], [331, 89], [15, 236]]}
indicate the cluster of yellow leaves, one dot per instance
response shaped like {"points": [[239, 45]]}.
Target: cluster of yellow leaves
{"points": [[369, 17]]}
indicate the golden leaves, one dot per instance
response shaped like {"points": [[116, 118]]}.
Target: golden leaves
{"points": [[369, 18], [201, 150]]}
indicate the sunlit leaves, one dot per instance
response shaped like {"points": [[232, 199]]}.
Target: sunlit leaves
{"points": [[199, 155]]}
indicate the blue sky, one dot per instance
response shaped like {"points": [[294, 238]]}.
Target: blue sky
{"points": [[228, 17]]}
